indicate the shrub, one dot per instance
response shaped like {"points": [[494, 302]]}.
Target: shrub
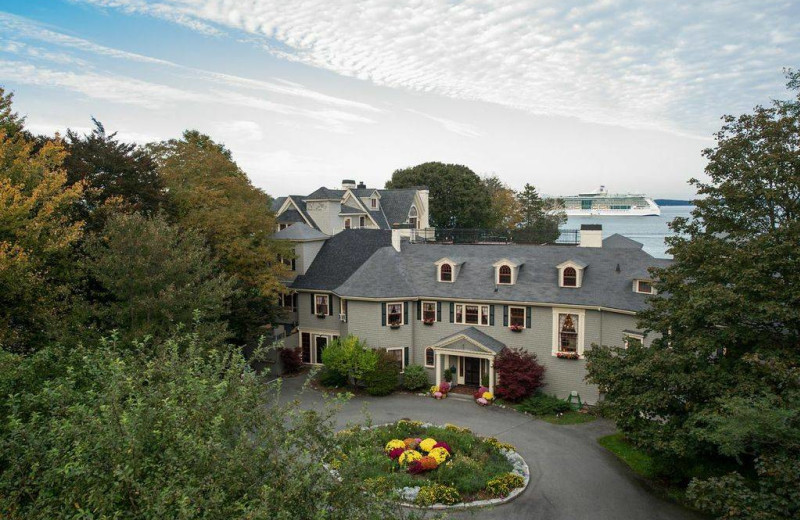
{"points": [[331, 378], [504, 484], [415, 377], [448, 375], [290, 358], [350, 357], [543, 404], [437, 494], [382, 380], [519, 374]]}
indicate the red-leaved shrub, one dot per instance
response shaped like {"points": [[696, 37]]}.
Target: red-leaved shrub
{"points": [[290, 358], [518, 373]]}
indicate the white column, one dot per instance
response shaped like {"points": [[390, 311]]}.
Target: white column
{"points": [[438, 365], [491, 375]]}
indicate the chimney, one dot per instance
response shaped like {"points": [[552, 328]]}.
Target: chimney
{"points": [[361, 185], [348, 184], [591, 235], [396, 239]]}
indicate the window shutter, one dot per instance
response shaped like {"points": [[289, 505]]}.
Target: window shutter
{"points": [[452, 313], [505, 315], [405, 356], [419, 310], [438, 311], [383, 314], [491, 315], [330, 305], [405, 313], [528, 318], [313, 297]]}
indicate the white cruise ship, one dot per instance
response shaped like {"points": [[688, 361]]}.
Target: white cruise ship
{"points": [[600, 203]]}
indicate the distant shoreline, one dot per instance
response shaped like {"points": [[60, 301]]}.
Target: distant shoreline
{"points": [[673, 202]]}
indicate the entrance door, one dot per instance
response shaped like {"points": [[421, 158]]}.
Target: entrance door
{"points": [[322, 342], [472, 371]]}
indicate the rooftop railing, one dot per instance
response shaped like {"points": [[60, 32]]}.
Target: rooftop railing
{"points": [[494, 236]]}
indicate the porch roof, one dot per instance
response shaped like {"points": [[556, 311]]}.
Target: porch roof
{"points": [[474, 337]]}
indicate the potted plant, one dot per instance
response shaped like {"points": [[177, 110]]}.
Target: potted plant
{"points": [[428, 321], [567, 355], [516, 327], [394, 325]]}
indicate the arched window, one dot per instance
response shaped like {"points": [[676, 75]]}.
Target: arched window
{"points": [[412, 217], [570, 277], [504, 276], [446, 273], [430, 357]]}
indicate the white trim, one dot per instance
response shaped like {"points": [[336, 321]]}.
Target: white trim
{"points": [[578, 274], [327, 303], [349, 193], [524, 315], [402, 312], [480, 307], [633, 335], [452, 272], [402, 356], [348, 223], [636, 283], [512, 273], [426, 357], [581, 328], [435, 310], [286, 203]]}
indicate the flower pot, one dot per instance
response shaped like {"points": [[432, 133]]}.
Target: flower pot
{"points": [[320, 316], [516, 329], [428, 323], [394, 326]]}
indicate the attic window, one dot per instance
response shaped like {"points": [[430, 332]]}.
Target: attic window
{"points": [[504, 275], [412, 217], [446, 273], [644, 287], [373, 202], [570, 277]]}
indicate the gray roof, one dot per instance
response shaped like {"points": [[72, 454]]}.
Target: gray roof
{"points": [[478, 337], [411, 273], [299, 231], [617, 241], [325, 193], [277, 203], [341, 256], [349, 210], [290, 215], [396, 204]]}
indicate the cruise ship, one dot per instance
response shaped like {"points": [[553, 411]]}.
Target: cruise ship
{"points": [[602, 204]]}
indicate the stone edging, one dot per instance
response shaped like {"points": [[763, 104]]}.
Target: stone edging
{"points": [[520, 468]]}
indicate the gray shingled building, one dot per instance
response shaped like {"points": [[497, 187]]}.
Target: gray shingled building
{"points": [[445, 305]]}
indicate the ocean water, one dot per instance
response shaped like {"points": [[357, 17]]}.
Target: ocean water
{"points": [[650, 231]]}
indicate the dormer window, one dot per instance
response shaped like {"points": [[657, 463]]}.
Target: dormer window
{"points": [[570, 273], [569, 277], [504, 275], [446, 273], [373, 203], [643, 287], [413, 217]]}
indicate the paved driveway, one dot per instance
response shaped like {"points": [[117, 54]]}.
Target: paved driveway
{"points": [[572, 477]]}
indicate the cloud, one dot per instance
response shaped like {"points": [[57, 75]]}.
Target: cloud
{"points": [[663, 65], [239, 131], [464, 129]]}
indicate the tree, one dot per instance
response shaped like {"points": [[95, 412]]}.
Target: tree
{"points": [[150, 276], [10, 122], [504, 209], [36, 237], [720, 384], [384, 378], [350, 357], [540, 218], [210, 193], [519, 374], [186, 430], [458, 197], [118, 176]]}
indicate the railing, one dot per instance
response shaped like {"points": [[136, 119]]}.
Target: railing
{"points": [[493, 236]]}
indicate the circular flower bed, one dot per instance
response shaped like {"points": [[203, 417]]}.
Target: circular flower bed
{"points": [[431, 466]]}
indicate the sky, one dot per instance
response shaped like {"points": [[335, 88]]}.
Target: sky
{"points": [[563, 95]]}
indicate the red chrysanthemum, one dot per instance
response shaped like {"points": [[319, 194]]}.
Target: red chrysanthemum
{"points": [[395, 453], [445, 446]]}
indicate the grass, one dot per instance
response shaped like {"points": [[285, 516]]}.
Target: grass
{"points": [[571, 417], [639, 461], [552, 409]]}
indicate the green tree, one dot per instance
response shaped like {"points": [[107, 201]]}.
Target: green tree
{"points": [[350, 357], [37, 236], [118, 176], [504, 209], [721, 382], [11, 123], [539, 218], [183, 431], [149, 276], [458, 198], [210, 193]]}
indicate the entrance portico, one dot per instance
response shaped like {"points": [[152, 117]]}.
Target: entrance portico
{"points": [[471, 352]]}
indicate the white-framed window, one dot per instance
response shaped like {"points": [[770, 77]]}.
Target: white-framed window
{"points": [[362, 222], [282, 226], [516, 317], [631, 338], [643, 287], [288, 301], [373, 202], [569, 278], [321, 304], [429, 311], [504, 275], [445, 273], [413, 217], [348, 223], [568, 332], [342, 307], [398, 354], [430, 358], [394, 313], [469, 314]]}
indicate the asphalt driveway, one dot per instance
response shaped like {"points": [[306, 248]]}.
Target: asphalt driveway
{"points": [[572, 477]]}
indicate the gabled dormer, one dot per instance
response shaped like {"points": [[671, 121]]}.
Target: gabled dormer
{"points": [[506, 271], [643, 286], [570, 273], [373, 201], [447, 269]]}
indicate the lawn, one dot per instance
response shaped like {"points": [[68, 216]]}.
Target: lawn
{"points": [[571, 417], [551, 409], [639, 461], [476, 468]]}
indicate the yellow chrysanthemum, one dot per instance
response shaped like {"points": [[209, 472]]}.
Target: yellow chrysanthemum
{"points": [[440, 454], [488, 396], [409, 456], [394, 444], [434, 389], [427, 445]]}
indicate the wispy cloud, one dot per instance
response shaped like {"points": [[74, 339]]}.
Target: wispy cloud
{"points": [[666, 65], [464, 129]]}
